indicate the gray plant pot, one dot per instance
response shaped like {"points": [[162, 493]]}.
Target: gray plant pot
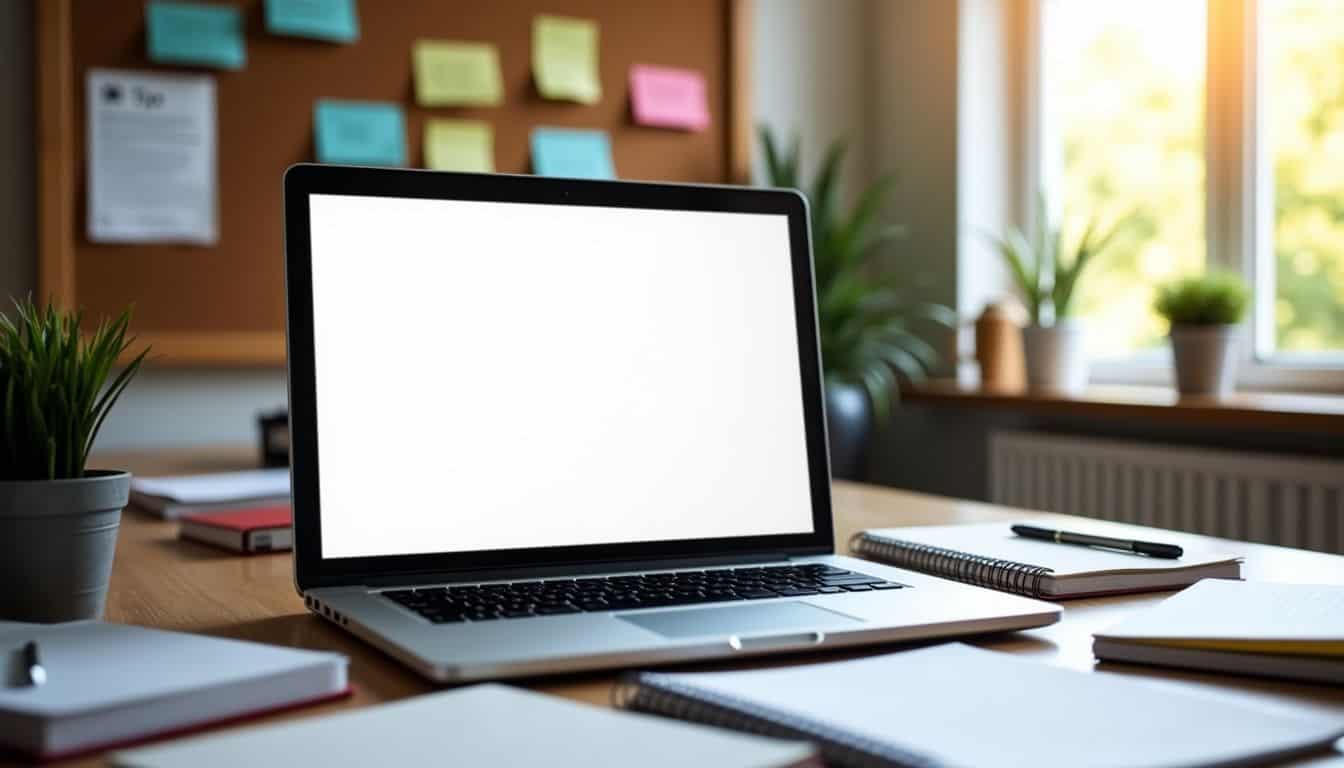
{"points": [[57, 541], [849, 422], [1205, 358]]}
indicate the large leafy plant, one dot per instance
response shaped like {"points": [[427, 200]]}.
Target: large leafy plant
{"points": [[1046, 280], [53, 397], [865, 323], [1216, 298]]}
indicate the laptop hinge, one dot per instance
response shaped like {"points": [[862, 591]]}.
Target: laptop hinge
{"points": [[561, 571]]}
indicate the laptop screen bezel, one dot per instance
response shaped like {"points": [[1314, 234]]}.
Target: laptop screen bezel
{"points": [[312, 570]]}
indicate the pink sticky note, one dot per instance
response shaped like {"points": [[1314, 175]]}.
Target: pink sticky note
{"points": [[668, 98]]}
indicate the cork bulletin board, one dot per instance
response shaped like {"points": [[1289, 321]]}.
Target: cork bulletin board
{"points": [[224, 304]]}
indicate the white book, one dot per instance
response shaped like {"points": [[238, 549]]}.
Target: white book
{"points": [[991, 555], [175, 496], [484, 725], [1294, 631], [955, 705], [111, 683]]}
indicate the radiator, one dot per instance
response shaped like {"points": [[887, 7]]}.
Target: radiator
{"points": [[1267, 498]]}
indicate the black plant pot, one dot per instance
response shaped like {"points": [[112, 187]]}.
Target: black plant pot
{"points": [[849, 423]]}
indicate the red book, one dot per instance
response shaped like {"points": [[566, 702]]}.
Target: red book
{"points": [[264, 529]]}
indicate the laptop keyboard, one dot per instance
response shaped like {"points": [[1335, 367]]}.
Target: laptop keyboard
{"points": [[486, 602]]}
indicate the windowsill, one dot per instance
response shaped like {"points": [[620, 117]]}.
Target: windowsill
{"points": [[1240, 410]]}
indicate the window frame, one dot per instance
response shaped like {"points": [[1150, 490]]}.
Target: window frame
{"points": [[1239, 199]]}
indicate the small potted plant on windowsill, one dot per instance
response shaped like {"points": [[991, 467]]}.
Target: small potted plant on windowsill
{"points": [[1053, 341], [58, 520], [1204, 311]]}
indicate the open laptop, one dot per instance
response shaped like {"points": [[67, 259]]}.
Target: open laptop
{"points": [[545, 425]]}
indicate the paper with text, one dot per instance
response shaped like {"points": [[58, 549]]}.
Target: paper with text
{"points": [[152, 171], [668, 98], [564, 59], [201, 34]]}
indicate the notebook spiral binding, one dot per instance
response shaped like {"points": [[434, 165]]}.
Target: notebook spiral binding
{"points": [[995, 573], [658, 694]]}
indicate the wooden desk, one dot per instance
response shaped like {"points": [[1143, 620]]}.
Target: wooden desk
{"points": [[162, 582]]}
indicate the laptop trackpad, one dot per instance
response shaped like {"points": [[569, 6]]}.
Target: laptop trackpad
{"points": [[739, 620]]}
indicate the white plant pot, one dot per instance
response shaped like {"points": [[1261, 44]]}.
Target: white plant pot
{"points": [[1056, 358], [1205, 358]]}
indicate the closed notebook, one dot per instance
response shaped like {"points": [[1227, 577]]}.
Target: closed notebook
{"points": [[484, 725], [991, 555], [261, 529], [954, 705], [111, 683], [1257, 628], [177, 496]]}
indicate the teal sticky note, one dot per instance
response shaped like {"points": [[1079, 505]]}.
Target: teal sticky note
{"points": [[359, 133], [572, 153], [204, 34], [331, 20]]}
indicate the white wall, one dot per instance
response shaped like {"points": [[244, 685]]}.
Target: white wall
{"points": [[812, 73]]}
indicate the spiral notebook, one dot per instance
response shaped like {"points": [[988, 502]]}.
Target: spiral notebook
{"points": [[991, 555], [954, 705]]}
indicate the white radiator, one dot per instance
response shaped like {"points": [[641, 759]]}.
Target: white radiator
{"points": [[1273, 499]]}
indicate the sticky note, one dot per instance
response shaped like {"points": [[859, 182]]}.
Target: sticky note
{"points": [[204, 34], [572, 153], [459, 145], [564, 59], [359, 133], [332, 20], [668, 98], [453, 73]]}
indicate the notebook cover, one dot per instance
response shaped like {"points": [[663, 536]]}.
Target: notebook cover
{"points": [[243, 520]]}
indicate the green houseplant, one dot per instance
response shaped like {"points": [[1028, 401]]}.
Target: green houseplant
{"points": [[1047, 275], [1204, 311], [58, 520], [868, 342]]}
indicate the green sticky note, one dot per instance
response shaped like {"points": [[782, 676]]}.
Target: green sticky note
{"points": [[564, 59], [331, 20], [359, 133], [572, 153], [452, 73], [459, 145], [204, 34]]}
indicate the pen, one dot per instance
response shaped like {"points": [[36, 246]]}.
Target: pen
{"points": [[37, 674], [1150, 548]]}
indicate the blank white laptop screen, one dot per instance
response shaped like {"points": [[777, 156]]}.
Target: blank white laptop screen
{"points": [[507, 375]]}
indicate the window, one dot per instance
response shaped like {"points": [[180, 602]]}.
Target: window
{"points": [[1125, 115], [1220, 126], [1303, 57]]}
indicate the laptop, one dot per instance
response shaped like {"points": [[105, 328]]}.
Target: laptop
{"points": [[544, 425]]}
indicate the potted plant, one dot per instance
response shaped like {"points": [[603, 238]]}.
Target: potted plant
{"points": [[58, 520], [1053, 341], [865, 324], [1204, 311]]}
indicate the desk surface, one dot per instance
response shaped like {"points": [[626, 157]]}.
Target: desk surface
{"points": [[162, 582]]}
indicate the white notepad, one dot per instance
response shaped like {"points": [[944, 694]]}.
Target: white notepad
{"points": [[991, 555], [961, 706], [175, 496], [484, 725]]}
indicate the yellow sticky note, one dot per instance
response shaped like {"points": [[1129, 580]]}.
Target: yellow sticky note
{"points": [[564, 59], [453, 73], [459, 145]]}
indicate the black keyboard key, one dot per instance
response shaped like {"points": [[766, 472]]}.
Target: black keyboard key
{"points": [[858, 588], [829, 590], [758, 594], [516, 613], [888, 585], [797, 592]]}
